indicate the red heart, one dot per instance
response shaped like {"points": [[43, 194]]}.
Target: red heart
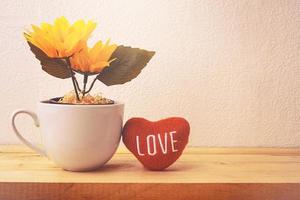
{"points": [[159, 144]]}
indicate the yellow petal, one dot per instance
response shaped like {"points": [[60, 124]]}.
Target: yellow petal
{"points": [[61, 39], [61, 26], [90, 27], [98, 67], [72, 40], [95, 51]]}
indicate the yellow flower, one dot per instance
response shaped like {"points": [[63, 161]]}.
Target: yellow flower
{"points": [[95, 59], [60, 39]]}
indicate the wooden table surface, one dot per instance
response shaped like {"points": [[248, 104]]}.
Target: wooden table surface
{"points": [[200, 173]]}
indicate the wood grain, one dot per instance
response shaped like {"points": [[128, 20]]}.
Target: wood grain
{"points": [[206, 173], [109, 191]]}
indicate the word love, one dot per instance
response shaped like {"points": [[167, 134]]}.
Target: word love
{"points": [[152, 140], [157, 145]]}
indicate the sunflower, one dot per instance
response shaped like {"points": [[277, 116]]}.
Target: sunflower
{"points": [[93, 60], [60, 39]]}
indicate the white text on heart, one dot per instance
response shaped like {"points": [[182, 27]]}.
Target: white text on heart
{"points": [[151, 143]]}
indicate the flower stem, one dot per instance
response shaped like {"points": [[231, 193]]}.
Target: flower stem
{"points": [[85, 80], [74, 81], [92, 84], [77, 85]]}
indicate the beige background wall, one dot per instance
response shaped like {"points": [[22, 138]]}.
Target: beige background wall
{"points": [[232, 68]]}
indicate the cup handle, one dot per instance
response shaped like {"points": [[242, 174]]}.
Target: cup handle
{"points": [[36, 123]]}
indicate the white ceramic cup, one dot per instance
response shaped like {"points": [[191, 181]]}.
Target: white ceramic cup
{"points": [[76, 137]]}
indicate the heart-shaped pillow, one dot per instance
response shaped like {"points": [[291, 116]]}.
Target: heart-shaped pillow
{"points": [[159, 144]]}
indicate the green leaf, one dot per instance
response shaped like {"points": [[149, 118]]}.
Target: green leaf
{"points": [[54, 66], [128, 64]]}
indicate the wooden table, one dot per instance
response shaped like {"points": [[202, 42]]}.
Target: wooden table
{"points": [[201, 173]]}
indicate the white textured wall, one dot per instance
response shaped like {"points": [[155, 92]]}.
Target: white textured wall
{"points": [[232, 68]]}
